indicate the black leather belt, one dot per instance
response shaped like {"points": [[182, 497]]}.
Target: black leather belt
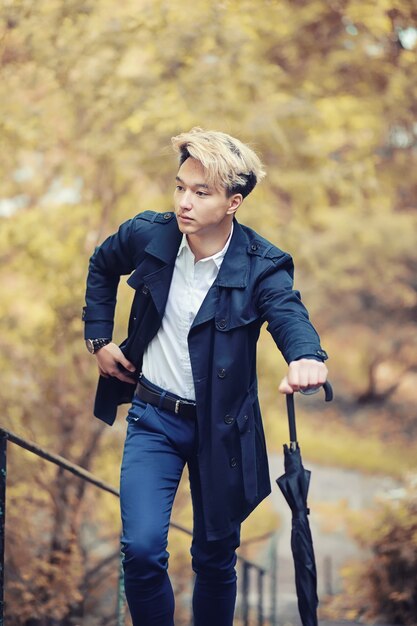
{"points": [[185, 408]]}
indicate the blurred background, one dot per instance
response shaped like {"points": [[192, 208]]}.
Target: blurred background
{"points": [[326, 92]]}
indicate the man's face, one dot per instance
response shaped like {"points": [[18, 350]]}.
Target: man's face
{"points": [[201, 209]]}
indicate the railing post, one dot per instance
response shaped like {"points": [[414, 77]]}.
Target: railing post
{"points": [[191, 594], [260, 597], [245, 594], [121, 601], [327, 576], [3, 469], [274, 580]]}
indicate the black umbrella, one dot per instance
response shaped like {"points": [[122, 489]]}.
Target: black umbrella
{"points": [[294, 485]]}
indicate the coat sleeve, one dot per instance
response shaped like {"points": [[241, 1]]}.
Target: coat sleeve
{"points": [[281, 307], [113, 258]]}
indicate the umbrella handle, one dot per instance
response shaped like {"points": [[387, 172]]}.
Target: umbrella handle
{"points": [[328, 397]]}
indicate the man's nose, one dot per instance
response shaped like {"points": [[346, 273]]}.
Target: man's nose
{"points": [[186, 200]]}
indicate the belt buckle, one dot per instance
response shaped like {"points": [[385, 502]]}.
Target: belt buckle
{"points": [[177, 406]]}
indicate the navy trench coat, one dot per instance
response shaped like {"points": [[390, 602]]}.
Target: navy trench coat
{"points": [[254, 285]]}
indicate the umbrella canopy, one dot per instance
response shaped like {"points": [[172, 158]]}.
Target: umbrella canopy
{"points": [[294, 484]]}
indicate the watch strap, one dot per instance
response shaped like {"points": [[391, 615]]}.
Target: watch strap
{"points": [[94, 345]]}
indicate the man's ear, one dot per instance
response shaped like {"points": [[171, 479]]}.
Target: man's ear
{"points": [[234, 203]]}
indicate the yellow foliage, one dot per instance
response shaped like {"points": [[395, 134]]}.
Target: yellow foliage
{"points": [[90, 95]]}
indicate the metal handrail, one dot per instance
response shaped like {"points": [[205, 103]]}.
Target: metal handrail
{"points": [[80, 472]]}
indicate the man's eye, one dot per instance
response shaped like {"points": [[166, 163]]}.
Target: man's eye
{"points": [[201, 193], [178, 188]]}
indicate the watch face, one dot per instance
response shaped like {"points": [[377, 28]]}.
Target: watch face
{"points": [[90, 345]]}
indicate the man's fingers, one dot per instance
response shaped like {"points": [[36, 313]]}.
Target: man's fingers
{"points": [[304, 374], [113, 363], [116, 373], [125, 378]]}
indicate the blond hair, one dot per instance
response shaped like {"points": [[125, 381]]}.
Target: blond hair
{"points": [[228, 162]]}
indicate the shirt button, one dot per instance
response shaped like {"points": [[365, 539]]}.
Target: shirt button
{"points": [[229, 419], [221, 373], [221, 324], [233, 461]]}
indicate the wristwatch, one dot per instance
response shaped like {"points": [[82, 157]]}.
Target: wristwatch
{"points": [[94, 345]]}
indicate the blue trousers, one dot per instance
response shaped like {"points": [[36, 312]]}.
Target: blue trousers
{"points": [[157, 447]]}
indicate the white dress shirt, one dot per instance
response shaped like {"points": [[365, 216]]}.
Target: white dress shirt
{"points": [[166, 361]]}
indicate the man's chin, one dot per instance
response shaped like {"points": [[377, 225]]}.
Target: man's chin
{"points": [[186, 226]]}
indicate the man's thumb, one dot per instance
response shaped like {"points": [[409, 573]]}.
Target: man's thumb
{"points": [[126, 364], [284, 386]]}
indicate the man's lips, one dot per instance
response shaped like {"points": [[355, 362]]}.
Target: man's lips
{"points": [[185, 218]]}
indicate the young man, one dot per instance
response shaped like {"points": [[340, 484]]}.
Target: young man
{"points": [[203, 286]]}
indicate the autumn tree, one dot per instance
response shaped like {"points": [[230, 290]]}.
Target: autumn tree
{"points": [[91, 94]]}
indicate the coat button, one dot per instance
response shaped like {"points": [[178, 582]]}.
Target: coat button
{"points": [[254, 247], [246, 417], [167, 216], [145, 290], [322, 354], [221, 373], [221, 324], [229, 419], [233, 461]]}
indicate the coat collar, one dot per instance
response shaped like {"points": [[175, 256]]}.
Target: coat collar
{"points": [[234, 271], [165, 246]]}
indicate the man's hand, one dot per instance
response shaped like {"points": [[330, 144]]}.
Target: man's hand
{"points": [[303, 374], [108, 359]]}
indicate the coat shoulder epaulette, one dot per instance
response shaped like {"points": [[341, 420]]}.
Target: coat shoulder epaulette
{"points": [[261, 247], [155, 216]]}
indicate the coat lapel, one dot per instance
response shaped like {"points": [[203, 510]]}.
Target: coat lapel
{"points": [[233, 273], [208, 308], [154, 273]]}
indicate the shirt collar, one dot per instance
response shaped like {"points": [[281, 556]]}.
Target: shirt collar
{"points": [[217, 258]]}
